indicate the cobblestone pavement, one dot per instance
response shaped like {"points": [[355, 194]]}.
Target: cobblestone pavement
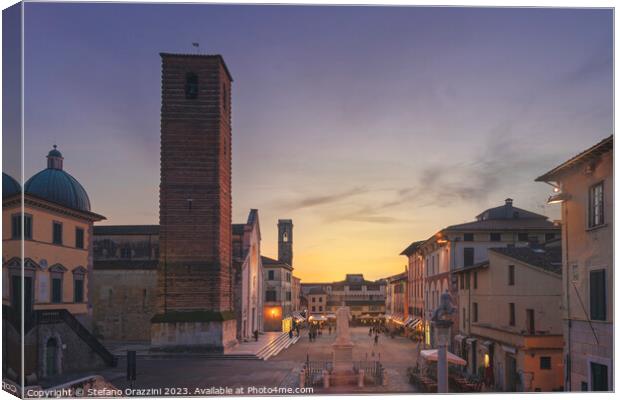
{"points": [[280, 371], [396, 355]]}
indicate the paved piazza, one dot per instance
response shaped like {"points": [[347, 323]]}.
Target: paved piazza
{"points": [[280, 371]]}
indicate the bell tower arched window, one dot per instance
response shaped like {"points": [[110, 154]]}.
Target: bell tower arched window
{"points": [[191, 85]]}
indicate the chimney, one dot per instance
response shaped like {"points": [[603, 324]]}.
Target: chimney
{"points": [[509, 202]]}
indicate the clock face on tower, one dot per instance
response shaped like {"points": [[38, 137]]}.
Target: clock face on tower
{"points": [[285, 237]]}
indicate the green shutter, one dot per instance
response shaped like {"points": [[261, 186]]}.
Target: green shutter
{"points": [[598, 300]]}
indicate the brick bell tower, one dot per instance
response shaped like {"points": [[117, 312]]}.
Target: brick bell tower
{"points": [[194, 280], [285, 241]]}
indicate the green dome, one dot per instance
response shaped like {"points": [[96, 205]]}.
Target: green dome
{"points": [[10, 186], [58, 186]]}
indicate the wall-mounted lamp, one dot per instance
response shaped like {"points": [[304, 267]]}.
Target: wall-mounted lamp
{"points": [[558, 198]]}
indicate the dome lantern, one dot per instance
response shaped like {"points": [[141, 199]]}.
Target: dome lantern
{"points": [[57, 185], [54, 159]]}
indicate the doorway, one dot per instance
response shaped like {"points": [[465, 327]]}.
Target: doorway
{"points": [[51, 357], [511, 373]]}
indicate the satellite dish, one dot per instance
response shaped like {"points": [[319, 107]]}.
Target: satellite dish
{"points": [[43, 263]]}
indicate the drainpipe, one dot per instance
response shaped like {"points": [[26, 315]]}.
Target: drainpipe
{"points": [[568, 365]]}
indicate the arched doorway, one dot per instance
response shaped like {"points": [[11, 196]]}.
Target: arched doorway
{"points": [[51, 357]]}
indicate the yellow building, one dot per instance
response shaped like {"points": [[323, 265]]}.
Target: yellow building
{"points": [[510, 329], [56, 226], [584, 184]]}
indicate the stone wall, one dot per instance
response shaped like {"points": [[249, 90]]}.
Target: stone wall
{"points": [[195, 336], [123, 303]]}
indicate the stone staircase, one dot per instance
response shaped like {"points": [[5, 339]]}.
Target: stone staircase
{"points": [[276, 346], [275, 343]]}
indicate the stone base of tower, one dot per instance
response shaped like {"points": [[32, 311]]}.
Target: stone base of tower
{"points": [[193, 336]]}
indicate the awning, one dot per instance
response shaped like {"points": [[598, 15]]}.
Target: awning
{"points": [[414, 323], [408, 321], [431, 355], [298, 316], [397, 318], [331, 316], [459, 338], [470, 340], [317, 318]]}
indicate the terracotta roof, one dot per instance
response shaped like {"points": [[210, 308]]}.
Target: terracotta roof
{"points": [[270, 262], [126, 230], [593, 152], [508, 211], [549, 259], [411, 248], [503, 224], [482, 264], [397, 277]]}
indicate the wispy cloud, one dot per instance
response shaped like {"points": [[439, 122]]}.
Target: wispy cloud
{"points": [[492, 170], [321, 200]]}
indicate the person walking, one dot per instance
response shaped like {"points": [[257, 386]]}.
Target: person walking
{"points": [[376, 339]]}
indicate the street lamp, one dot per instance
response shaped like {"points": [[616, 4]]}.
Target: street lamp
{"points": [[442, 322]]}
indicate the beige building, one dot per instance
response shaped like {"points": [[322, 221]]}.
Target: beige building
{"points": [[466, 244], [296, 290], [248, 281], [415, 281], [363, 297], [584, 186], [53, 275], [317, 302], [396, 307], [510, 330]]}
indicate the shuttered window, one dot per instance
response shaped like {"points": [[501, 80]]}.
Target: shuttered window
{"points": [[599, 382], [468, 256], [595, 205], [598, 295]]}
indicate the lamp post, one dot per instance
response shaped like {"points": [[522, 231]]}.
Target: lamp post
{"points": [[442, 323]]}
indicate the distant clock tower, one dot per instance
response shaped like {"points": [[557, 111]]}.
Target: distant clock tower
{"points": [[285, 241], [194, 285]]}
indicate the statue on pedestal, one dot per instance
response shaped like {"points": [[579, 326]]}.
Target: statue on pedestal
{"points": [[343, 336]]}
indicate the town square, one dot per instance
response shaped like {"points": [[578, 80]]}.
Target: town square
{"points": [[226, 199]]}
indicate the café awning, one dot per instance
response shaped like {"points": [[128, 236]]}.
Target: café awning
{"points": [[431, 355], [414, 323]]}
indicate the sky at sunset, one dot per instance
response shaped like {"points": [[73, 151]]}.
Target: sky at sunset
{"points": [[370, 127]]}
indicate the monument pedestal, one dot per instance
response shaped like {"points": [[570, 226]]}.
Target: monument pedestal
{"points": [[343, 357]]}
